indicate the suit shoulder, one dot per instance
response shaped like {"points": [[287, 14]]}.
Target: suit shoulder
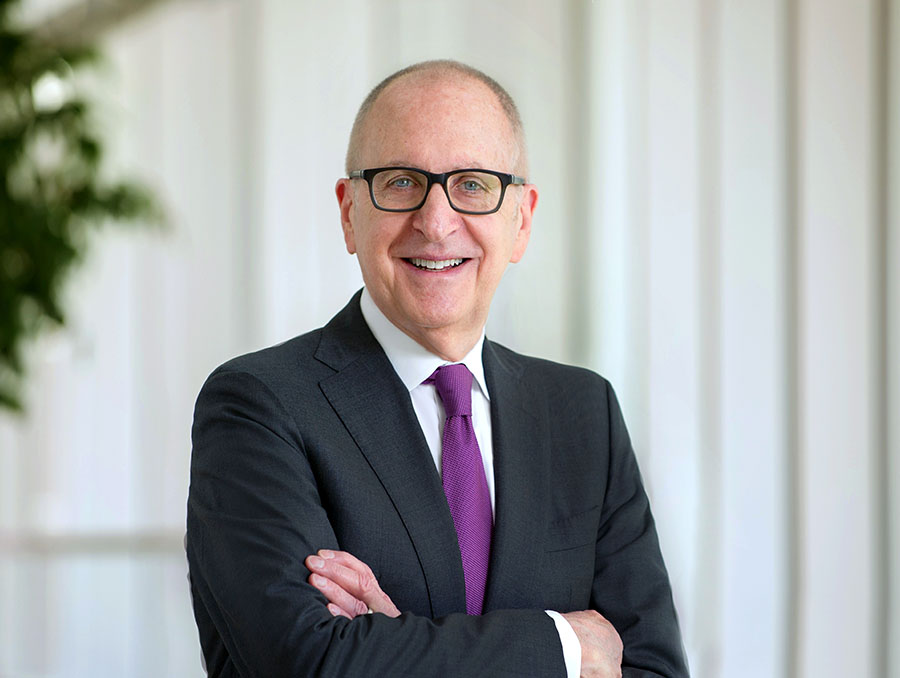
{"points": [[275, 365]]}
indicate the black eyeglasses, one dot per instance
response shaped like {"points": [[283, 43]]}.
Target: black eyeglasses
{"points": [[405, 189]]}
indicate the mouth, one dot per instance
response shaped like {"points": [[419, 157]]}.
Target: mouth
{"points": [[432, 265]]}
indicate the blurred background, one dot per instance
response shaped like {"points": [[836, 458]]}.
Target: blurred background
{"points": [[718, 233]]}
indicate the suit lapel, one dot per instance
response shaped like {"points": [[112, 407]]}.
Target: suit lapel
{"points": [[521, 471], [374, 405]]}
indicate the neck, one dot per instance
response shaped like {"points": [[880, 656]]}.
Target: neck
{"points": [[449, 342], [451, 345]]}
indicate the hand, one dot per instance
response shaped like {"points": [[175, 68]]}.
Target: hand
{"points": [[349, 585], [601, 646]]}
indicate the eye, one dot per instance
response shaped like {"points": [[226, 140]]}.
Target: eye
{"points": [[397, 181], [469, 184]]}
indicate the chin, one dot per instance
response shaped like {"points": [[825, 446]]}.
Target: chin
{"points": [[434, 320], [434, 315], [430, 310]]}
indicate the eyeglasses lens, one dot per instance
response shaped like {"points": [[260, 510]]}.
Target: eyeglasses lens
{"points": [[470, 191]]}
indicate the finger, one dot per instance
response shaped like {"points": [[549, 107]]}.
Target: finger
{"points": [[337, 595], [352, 564], [338, 611], [343, 557], [320, 579], [354, 577], [357, 578]]}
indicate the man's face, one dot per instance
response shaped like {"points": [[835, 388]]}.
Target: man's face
{"points": [[436, 125]]}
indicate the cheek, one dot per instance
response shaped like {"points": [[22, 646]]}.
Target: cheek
{"points": [[506, 243], [372, 248]]}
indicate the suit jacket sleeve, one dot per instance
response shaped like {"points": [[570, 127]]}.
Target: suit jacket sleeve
{"points": [[255, 514], [631, 587]]}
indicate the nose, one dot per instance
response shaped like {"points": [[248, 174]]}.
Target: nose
{"points": [[436, 219]]}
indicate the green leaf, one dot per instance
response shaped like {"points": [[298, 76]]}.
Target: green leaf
{"points": [[51, 193]]}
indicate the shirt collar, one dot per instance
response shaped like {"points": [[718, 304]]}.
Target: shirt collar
{"points": [[412, 362]]}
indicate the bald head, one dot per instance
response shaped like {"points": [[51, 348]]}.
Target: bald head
{"points": [[429, 72]]}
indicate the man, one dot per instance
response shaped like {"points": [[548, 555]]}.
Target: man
{"points": [[485, 507]]}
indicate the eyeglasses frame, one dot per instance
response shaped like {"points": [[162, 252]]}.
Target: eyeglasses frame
{"points": [[438, 178]]}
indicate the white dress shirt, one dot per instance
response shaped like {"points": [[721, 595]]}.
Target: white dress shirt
{"points": [[413, 363]]}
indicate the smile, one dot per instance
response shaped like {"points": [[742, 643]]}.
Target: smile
{"points": [[428, 264]]}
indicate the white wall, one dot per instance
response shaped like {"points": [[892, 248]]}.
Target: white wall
{"points": [[717, 233]]}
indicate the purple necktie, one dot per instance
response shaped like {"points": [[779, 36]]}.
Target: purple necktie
{"points": [[464, 481]]}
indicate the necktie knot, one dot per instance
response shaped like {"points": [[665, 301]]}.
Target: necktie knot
{"points": [[454, 386]]}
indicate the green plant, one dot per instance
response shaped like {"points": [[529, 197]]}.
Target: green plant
{"points": [[51, 193]]}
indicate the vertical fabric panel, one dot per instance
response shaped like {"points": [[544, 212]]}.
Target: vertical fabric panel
{"points": [[10, 496], [185, 132], [892, 369], [618, 208], [674, 295], [754, 510], [708, 574], [313, 73], [881, 361], [836, 338], [581, 126], [792, 348]]}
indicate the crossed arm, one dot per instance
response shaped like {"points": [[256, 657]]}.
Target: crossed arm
{"points": [[352, 590], [257, 507]]}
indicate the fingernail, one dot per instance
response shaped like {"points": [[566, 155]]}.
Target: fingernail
{"points": [[315, 561], [325, 553], [318, 581]]}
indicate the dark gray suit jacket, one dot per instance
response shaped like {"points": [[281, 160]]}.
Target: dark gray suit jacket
{"points": [[314, 444]]}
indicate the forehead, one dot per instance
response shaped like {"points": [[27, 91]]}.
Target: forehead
{"points": [[438, 123]]}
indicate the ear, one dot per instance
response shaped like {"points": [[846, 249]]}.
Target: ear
{"points": [[527, 206], [344, 192]]}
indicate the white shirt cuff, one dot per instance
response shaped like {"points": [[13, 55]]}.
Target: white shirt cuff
{"points": [[570, 645]]}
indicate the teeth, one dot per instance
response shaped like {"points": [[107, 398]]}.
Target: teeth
{"points": [[436, 265]]}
